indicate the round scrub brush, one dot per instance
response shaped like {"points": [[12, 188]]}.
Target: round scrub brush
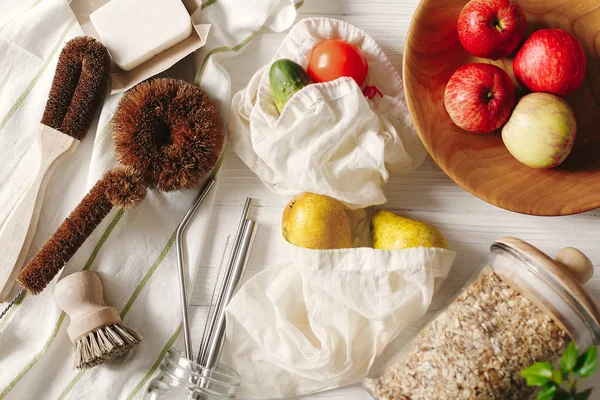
{"points": [[95, 329], [167, 135]]}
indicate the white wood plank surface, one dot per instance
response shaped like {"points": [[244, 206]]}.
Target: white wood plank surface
{"points": [[470, 224]]}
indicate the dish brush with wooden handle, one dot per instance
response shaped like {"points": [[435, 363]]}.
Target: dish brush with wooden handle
{"points": [[95, 330], [80, 80]]}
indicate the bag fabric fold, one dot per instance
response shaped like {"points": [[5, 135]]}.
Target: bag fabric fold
{"points": [[333, 138]]}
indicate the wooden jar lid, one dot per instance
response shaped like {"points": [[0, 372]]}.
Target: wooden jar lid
{"points": [[569, 270]]}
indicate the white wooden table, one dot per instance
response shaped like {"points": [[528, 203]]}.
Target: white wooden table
{"points": [[470, 224]]}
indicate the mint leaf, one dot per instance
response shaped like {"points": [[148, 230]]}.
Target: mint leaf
{"points": [[557, 376], [569, 358], [583, 395], [586, 363], [546, 392], [538, 374]]}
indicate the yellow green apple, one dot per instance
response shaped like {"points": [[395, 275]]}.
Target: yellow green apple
{"points": [[541, 130]]}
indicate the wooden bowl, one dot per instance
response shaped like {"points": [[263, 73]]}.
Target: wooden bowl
{"points": [[480, 163]]}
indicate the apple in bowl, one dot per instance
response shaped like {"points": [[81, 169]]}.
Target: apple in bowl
{"points": [[541, 131], [550, 60], [491, 28], [479, 97]]}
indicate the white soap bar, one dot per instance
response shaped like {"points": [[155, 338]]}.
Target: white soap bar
{"points": [[136, 30]]}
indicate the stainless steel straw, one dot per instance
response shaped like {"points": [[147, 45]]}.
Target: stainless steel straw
{"points": [[212, 337], [187, 339], [216, 288], [215, 342], [229, 271]]}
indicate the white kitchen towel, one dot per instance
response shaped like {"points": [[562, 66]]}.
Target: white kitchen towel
{"points": [[320, 319], [333, 138], [131, 251]]}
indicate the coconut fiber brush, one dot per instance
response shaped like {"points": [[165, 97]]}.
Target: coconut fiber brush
{"points": [[167, 136], [79, 83]]}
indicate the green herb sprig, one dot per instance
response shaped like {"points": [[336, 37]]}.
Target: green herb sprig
{"points": [[562, 383]]}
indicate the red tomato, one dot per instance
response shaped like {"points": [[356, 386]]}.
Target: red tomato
{"points": [[334, 58]]}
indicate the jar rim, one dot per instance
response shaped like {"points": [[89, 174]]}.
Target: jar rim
{"points": [[220, 375], [566, 294]]}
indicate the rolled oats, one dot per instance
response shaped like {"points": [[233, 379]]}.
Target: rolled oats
{"points": [[474, 349]]}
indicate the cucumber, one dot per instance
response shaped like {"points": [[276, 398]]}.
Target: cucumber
{"points": [[286, 78]]}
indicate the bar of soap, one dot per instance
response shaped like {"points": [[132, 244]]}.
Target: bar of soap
{"points": [[136, 30]]}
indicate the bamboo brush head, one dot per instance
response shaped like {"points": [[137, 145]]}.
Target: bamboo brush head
{"points": [[81, 76], [95, 330]]}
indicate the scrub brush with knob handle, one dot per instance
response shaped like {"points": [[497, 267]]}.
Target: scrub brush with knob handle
{"points": [[80, 80], [95, 330]]}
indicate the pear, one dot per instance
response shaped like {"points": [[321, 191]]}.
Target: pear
{"points": [[315, 221], [390, 231]]}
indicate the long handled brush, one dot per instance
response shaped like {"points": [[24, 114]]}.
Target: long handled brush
{"points": [[79, 83]]}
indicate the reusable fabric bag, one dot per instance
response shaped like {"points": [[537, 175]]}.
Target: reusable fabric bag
{"points": [[330, 138], [319, 320]]}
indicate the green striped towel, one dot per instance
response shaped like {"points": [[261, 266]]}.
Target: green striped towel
{"points": [[131, 251]]}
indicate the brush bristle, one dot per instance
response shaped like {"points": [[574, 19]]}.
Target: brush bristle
{"points": [[67, 239], [104, 345], [169, 131], [120, 187], [79, 83], [124, 187]]}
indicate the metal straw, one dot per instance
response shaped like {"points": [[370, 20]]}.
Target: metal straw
{"points": [[187, 340], [212, 338], [227, 278], [216, 288], [215, 342]]}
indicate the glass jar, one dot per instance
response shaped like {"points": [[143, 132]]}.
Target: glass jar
{"points": [[182, 379], [520, 307]]}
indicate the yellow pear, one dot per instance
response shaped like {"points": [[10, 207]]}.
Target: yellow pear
{"points": [[315, 221], [390, 231]]}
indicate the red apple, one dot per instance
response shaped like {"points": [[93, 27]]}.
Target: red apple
{"points": [[479, 97], [491, 28], [550, 61]]}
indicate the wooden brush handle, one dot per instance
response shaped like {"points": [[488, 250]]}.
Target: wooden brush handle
{"points": [[81, 296], [18, 230], [119, 187]]}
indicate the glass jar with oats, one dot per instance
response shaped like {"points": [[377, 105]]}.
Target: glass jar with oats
{"points": [[520, 307]]}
